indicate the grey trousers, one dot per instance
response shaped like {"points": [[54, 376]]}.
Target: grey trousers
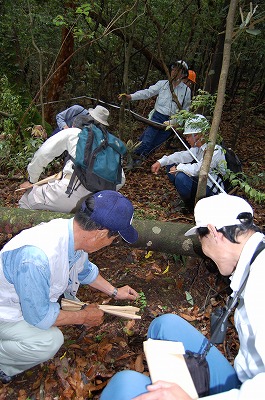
{"points": [[22, 346]]}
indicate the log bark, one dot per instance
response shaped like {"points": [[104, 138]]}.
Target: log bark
{"points": [[166, 237]]}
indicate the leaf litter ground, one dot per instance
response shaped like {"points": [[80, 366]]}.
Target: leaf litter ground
{"points": [[168, 284]]}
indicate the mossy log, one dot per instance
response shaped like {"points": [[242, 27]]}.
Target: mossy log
{"points": [[166, 237]]}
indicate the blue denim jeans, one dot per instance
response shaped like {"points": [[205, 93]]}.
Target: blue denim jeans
{"points": [[186, 186], [152, 137], [128, 384]]}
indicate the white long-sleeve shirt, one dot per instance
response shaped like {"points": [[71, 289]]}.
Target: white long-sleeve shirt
{"points": [[64, 140], [184, 161], [56, 145], [164, 102]]}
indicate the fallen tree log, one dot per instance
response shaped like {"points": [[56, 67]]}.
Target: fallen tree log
{"points": [[166, 237]]}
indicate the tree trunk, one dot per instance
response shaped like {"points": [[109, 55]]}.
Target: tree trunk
{"points": [[214, 71], [166, 237], [201, 191], [59, 78]]}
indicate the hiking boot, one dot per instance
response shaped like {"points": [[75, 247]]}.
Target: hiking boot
{"points": [[183, 207], [4, 378]]}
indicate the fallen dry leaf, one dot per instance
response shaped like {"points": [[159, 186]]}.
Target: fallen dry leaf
{"points": [[139, 366], [187, 317]]}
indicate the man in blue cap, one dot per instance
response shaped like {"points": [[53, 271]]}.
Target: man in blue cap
{"points": [[41, 264]]}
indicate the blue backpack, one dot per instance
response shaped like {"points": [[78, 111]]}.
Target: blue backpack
{"points": [[97, 164]]}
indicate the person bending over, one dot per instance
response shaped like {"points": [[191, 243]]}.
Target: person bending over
{"points": [[41, 264], [224, 225]]}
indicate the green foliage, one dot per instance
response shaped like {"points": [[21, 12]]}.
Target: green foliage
{"points": [[99, 337], [180, 118], [9, 104], [189, 298], [141, 302], [84, 9], [59, 20], [180, 258], [244, 183], [203, 103], [15, 152]]}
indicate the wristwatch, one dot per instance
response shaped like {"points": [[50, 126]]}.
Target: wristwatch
{"points": [[114, 293]]}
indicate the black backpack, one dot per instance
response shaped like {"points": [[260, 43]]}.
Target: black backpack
{"points": [[233, 164], [98, 159]]}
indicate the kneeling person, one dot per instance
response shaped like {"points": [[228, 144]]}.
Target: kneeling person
{"points": [[44, 262], [183, 170]]}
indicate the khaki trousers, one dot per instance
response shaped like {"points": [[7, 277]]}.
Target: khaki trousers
{"points": [[22, 346], [52, 197]]}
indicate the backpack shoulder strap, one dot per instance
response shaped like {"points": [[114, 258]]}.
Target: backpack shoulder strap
{"points": [[233, 300], [260, 247]]}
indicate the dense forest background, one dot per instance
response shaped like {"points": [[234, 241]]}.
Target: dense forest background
{"points": [[56, 53]]}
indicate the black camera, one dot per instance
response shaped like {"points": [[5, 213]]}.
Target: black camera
{"points": [[215, 318]]}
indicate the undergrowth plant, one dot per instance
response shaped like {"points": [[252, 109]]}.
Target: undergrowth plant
{"points": [[243, 182], [16, 149], [141, 301]]}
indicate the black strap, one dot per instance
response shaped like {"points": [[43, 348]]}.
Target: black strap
{"points": [[232, 301], [74, 182], [78, 114], [184, 96]]}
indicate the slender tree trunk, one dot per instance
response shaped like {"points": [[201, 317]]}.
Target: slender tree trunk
{"points": [[59, 79], [127, 56], [214, 71], [40, 66], [201, 192]]}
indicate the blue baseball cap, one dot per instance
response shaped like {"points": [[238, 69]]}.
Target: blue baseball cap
{"points": [[115, 212]]}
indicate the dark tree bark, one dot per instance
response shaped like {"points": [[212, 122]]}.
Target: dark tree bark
{"points": [[60, 76], [166, 237]]}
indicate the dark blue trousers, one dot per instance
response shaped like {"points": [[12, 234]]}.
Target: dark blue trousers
{"points": [[152, 137]]}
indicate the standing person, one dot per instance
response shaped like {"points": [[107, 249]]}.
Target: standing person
{"points": [[183, 170], [44, 262], [224, 225], [165, 106], [66, 118], [52, 196]]}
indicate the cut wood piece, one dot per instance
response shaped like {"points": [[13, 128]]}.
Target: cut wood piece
{"points": [[51, 178], [121, 308], [128, 312], [123, 314]]}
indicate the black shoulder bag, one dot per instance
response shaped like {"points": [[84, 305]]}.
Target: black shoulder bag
{"points": [[196, 362]]}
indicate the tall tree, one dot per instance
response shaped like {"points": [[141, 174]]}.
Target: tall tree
{"points": [[201, 191]]}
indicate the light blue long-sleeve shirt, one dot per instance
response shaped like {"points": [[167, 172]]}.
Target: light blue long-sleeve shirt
{"points": [[67, 116], [164, 102], [28, 271]]}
